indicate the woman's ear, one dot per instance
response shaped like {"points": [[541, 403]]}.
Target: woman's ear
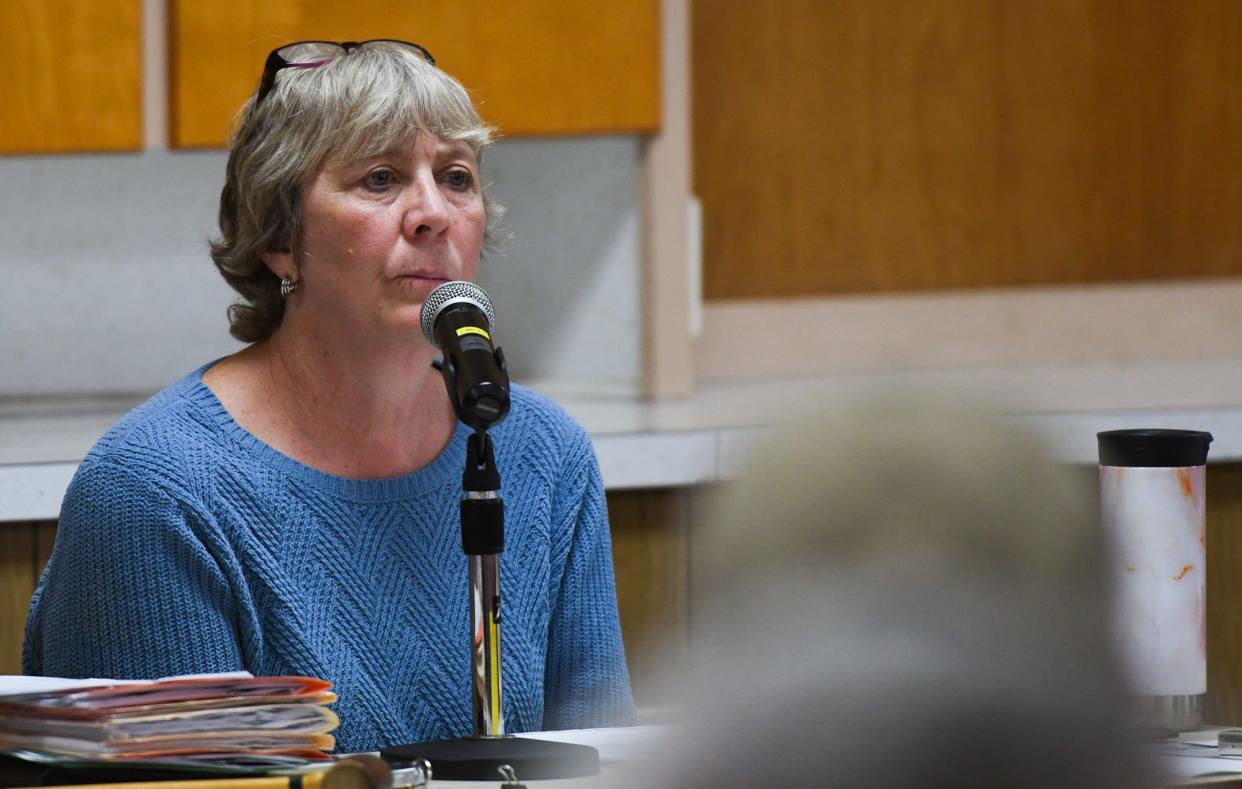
{"points": [[280, 262]]}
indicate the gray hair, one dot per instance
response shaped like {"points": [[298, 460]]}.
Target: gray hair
{"points": [[904, 590], [353, 107]]}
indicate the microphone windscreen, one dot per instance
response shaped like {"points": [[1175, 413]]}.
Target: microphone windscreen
{"points": [[455, 292]]}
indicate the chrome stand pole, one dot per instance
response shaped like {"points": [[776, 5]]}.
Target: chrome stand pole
{"points": [[489, 718], [483, 540]]}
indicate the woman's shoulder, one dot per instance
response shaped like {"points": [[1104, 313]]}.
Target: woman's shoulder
{"points": [[168, 431], [540, 441], [536, 415]]}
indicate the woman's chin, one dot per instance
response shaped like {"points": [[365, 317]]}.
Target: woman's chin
{"points": [[406, 319]]}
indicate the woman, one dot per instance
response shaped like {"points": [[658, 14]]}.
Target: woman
{"points": [[293, 508]]}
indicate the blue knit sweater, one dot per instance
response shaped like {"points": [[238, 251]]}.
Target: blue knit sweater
{"points": [[187, 545]]}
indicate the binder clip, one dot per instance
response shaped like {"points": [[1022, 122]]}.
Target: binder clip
{"points": [[511, 781]]}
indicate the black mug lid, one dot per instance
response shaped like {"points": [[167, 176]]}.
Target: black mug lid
{"points": [[1154, 448]]}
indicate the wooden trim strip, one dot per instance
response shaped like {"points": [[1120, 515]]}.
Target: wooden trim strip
{"points": [[997, 328]]}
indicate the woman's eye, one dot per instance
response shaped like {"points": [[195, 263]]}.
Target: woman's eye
{"points": [[378, 179], [460, 179]]}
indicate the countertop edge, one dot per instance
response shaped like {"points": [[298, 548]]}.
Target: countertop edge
{"points": [[632, 460]]}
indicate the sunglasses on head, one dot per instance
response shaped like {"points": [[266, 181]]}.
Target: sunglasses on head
{"points": [[312, 54]]}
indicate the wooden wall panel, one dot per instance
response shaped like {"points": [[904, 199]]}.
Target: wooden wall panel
{"points": [[650, 546], [533, 67], [72, 79], [16, 556], [887, 145], [24, 549], [1224, 591]]}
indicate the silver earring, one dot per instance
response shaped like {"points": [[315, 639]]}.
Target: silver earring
{"points": [[287, 286]]}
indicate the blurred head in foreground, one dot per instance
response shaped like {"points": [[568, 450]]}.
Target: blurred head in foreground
{"points": [[904, 592]]}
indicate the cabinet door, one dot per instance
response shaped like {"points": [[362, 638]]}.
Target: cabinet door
{"points": [[72, 76], [533, 66], [891, 145]]}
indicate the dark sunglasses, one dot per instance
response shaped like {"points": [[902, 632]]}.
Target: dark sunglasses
{"points": [[312, 54]]}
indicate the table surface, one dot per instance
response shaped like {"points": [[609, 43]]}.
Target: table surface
{"points": [[619, 751], [622, 750]]}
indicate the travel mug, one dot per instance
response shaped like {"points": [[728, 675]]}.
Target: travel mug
{"points": [[1152, 506]]}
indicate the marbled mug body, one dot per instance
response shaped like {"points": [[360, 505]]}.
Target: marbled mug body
{"points": [[1155, 520]]}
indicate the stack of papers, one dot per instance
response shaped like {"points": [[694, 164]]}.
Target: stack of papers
{"points": [[216, 719]]}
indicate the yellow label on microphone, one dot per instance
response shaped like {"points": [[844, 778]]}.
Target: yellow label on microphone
{"points": [[473, 330]]}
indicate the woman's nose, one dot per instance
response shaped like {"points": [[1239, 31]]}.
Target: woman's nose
{"points": [[427, 213]]}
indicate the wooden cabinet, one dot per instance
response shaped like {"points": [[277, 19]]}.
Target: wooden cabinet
{"points": [[72, 76], [532, 66], [895, 145], [74, 79]]}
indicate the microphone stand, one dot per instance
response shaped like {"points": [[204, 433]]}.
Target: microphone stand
{"points": [[480, 757], [482, 540]]}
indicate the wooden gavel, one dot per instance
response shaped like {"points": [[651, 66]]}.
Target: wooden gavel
{"points": [[354, 772]]}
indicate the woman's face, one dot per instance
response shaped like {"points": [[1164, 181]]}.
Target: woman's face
{"points": [[378, 235]]}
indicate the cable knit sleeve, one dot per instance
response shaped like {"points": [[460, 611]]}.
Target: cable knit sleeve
{"points": [[131, 590], [587, 683]]}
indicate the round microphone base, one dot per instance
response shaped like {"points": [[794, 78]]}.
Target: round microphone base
{"points": [[479, 758]]}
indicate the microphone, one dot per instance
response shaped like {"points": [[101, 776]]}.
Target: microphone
{"points": [[457, 318]]}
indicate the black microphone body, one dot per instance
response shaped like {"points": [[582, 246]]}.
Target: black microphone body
{"points": [[457, 318]]}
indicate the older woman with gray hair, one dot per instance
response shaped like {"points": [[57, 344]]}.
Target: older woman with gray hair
{"points": [[293, 508]]}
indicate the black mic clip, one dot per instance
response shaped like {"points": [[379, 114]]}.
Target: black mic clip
{"points": [[481, 474], [486, 407], [482, 509]]}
